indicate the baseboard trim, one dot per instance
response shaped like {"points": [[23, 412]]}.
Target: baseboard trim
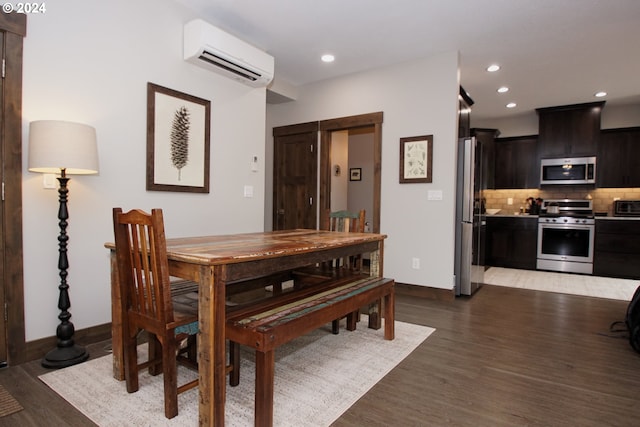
{"points": [[37, 349], [426, 292]]}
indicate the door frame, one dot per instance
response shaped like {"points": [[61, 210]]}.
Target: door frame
{"points": [[345, 123]]}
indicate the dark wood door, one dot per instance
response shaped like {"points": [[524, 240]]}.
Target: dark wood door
{"points": [[12, 334], [295, 176]]}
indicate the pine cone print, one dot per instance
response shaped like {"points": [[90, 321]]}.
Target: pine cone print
{"points": [[180, 139]]}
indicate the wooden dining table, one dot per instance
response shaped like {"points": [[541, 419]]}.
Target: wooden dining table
{"points": [[215, 262]]}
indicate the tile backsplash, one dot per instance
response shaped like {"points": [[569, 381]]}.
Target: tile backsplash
{"points": [[602, 197]]}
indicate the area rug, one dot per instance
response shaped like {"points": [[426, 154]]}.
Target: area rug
{"points": [[575, 284], [318, 377], [8, 404]]}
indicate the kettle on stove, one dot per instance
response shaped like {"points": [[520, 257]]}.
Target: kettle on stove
{"points": [[553, 208]]}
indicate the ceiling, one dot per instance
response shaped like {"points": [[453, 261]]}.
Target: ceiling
{"points": [[552, 52]]}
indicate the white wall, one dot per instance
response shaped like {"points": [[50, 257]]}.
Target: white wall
{"points": [[90, 62], [417, 98], [361, 192]]}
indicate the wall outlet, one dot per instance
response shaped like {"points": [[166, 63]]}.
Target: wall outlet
{"points": [[415, 263], [510, 201]]}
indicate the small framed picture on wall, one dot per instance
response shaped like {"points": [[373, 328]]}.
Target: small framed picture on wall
{"points": [[416, 159]]}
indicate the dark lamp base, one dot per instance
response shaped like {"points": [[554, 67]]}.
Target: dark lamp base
{"points": [[61, 357]]}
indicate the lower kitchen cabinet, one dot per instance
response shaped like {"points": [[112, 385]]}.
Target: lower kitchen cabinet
{"points": [[511, 242], [617, 249]]}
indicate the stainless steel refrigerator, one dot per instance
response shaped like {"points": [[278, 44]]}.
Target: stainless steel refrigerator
{"points": [[470, 218]]}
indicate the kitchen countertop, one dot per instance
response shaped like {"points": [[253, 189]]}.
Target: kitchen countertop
{"points": [[501, 215], [628, 218], [615, 218]]}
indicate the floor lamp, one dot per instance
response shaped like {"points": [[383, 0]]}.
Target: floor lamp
{"points": [[66, 148]]}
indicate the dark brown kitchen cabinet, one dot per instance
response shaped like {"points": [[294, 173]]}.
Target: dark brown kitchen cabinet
{"points": [[569, 131], [618, 154], [516, 162], [487, 139], [617, 248], [511, 242]]}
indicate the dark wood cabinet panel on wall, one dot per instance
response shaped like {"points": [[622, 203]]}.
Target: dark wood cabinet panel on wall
{"points": [[516, 162], [511, 242], [569, 131], [487, 138], [617, 249], [464, 113], [618, 154]]}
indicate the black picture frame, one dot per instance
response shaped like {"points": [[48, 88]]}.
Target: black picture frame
{"points": [[178, 141]]}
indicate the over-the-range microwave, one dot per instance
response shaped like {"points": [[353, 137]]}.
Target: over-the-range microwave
{"points": [[576, 170]]}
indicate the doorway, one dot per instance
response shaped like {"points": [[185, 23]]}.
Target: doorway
{"points": [[300, 194], [352, 172], [353, 124]]}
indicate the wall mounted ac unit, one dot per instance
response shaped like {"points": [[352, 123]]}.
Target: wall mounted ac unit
{"points": [[219, 51]]}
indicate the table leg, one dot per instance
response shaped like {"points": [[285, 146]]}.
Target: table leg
{"points": [[211, 346], [375, 269], [116, 321]]}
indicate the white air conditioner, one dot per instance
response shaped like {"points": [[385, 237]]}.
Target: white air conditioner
{"points": [[219, 51]]}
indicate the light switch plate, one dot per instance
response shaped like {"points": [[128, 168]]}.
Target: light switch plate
{"points": [[248, 191], [434, 195], [49, 181]]}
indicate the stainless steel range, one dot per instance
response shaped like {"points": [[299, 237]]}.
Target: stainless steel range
{"points": [[566, 230]]}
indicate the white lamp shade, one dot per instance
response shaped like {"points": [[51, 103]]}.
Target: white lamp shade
{"points": [[56, 145]]}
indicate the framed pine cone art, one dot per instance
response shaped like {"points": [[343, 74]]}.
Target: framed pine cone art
{"points": [[178, 136]]}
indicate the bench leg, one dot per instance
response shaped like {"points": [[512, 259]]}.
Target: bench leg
{"points": [[389, 315], [234, 361], [335, 327], [375, 321], [352, 320], [265, 373]]}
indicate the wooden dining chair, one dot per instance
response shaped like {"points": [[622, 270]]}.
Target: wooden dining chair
{"points": [[143, 274], [346, 222]]}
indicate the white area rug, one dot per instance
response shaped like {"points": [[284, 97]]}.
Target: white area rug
{"points": [[318, 377], [576, 284]]}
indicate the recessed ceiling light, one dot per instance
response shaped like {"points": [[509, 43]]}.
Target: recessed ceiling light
{"points": [[511, 105], [493, 68], [503, 89], [600, 94], [328, 58]]}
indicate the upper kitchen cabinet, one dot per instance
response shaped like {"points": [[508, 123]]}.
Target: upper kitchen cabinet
{"points": [[516, 164], [569, 131], [464, 113], [618, 154], [487, 137]]}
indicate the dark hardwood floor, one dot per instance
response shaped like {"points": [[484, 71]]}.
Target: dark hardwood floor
{"points": [[503, 357]]}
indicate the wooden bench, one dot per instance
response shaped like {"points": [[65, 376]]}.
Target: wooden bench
{"points": [[280, 319]]}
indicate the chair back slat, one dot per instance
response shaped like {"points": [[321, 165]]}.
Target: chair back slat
{"points": [[345, 221], [143, 266]]}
